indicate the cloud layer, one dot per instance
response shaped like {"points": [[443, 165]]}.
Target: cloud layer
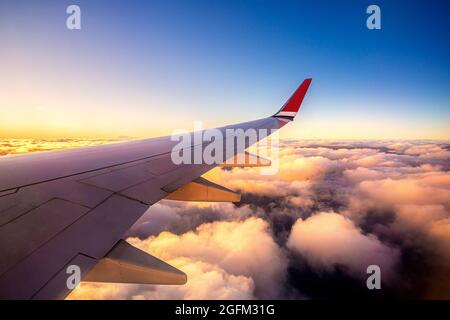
{"points": [[328, 239]]}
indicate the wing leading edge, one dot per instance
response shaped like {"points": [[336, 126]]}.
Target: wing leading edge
{"points": [[72, 207]]}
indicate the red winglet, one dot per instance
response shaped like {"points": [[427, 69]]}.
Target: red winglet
{"points": [[291, 107]]}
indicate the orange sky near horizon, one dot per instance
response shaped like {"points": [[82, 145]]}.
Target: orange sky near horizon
{"points": [[102, 122]]}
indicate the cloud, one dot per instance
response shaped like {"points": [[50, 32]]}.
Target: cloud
{"points": [[180, 217], [440, 231], [18, 146], [328, 239], [405, 191], [362, 174], [428, 151], [420, 216]]}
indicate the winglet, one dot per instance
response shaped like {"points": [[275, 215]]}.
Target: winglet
{"points": [[291, 107]]}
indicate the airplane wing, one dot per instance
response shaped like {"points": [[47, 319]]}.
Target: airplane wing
{"points": [[63, 212]]}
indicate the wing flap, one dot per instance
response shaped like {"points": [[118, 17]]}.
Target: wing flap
{"points": [[203, 190], [127, 264]]}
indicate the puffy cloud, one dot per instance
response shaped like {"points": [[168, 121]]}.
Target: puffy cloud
{"points": [[429, 150], [328, 239], [406, 191], [179, 217], [440, 231], [361, 174], [420, 216]]}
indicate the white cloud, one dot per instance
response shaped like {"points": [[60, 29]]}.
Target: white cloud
{"points": [[328, 239]]}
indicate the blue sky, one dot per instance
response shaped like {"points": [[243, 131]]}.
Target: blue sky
{"points": [[142, 68]]}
